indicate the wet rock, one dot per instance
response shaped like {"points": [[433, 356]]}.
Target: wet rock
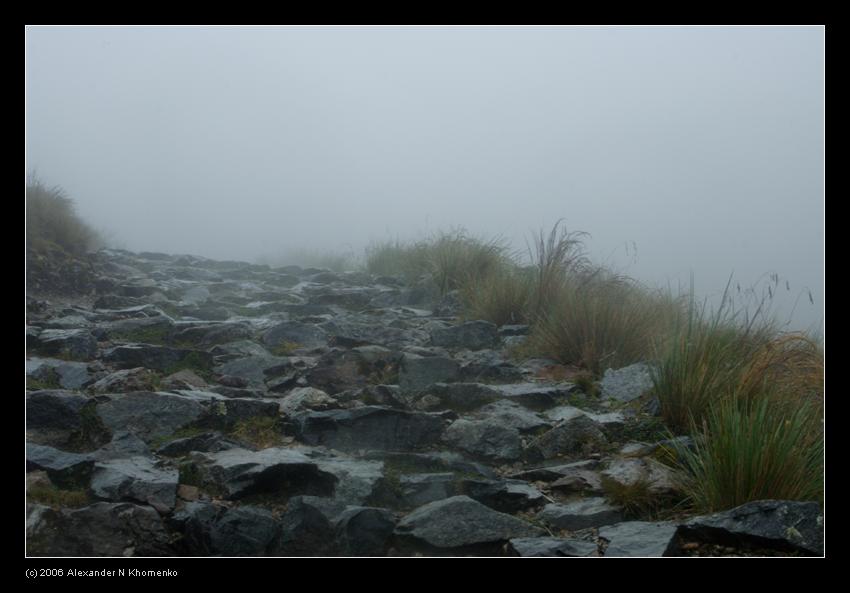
{"points": [[150, 415], [537, 547], [55, 417], [578, 435], [640, 538], [589, 512], [308, 527], [295, 335], [471, 335], [207, 442], [485, 439], [282, 472], [776, 524], [245, 531], [658, 479], [123, 444], [67, 470], [100, 529], [184, 379], [135, 479], [72, 344], [460, 524], [255, 370], [415, 490], [364, 531], [417, 373], [123, 381], [369, 427], [66, 375], [512, 415], [205, 336], [626, 384], [506, 496], [159, 358], [302, 399]]}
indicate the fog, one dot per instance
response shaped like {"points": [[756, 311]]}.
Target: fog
{"points": [[681, 151]]}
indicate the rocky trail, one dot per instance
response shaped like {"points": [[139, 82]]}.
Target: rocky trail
{"points": [[197, 408]]}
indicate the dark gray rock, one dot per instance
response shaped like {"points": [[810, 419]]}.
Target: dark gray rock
{"points": [[255, 369], [194, 521], [458, 524], [471, 335], [245, 531], [364, 531], [658, 479], [537, 547], [100, 529], [358, 481], [513, 415], [65, 420], [158, 358], [417, 373], [590, 512], [485, 439], [149, 414], [123, 444], [208, 335], [136, 479], [505, 496], [72, 344], [553, 473], [774, 524], [126, 380], [208, 442], [296, 334], [68, 375], [369, 427], [578, 435], [282, 472], [626, 384], [640, 538], [67, 470], [308, 527], [415, 490]]}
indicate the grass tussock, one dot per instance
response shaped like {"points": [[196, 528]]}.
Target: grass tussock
{"points": [[51, 220], [260, 432], [453, 259], [749, 450]]}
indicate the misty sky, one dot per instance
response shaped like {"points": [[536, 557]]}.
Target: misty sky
{"points": [[702, 147]]}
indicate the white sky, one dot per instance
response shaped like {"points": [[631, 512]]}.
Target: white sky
{"points": [[702, 147]]}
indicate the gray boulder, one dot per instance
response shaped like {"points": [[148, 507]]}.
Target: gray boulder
{"points": [[282, 472], [626, 384], [538, 547], [417, 373], [369, 427], [245, 531], [460, 524], [364, 531], [471, 335], [296, 334], [774, 524], [640, 538], [135, 479], [589, 512], [485, 439], [72, 344], [100, 529], [67, 470], [578, 435]]}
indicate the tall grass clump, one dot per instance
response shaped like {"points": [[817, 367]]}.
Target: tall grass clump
{"points": [[602, 321], [747, 450], [452, 259], [502, 297], [51, 220]]}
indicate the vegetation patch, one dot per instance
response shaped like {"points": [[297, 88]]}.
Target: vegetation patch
{"points": [[50, 495], [260, 432]]}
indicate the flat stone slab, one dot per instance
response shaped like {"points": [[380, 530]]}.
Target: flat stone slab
{"points": [[590, 512], [538, 547], [640, 538], [777, 524]]}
